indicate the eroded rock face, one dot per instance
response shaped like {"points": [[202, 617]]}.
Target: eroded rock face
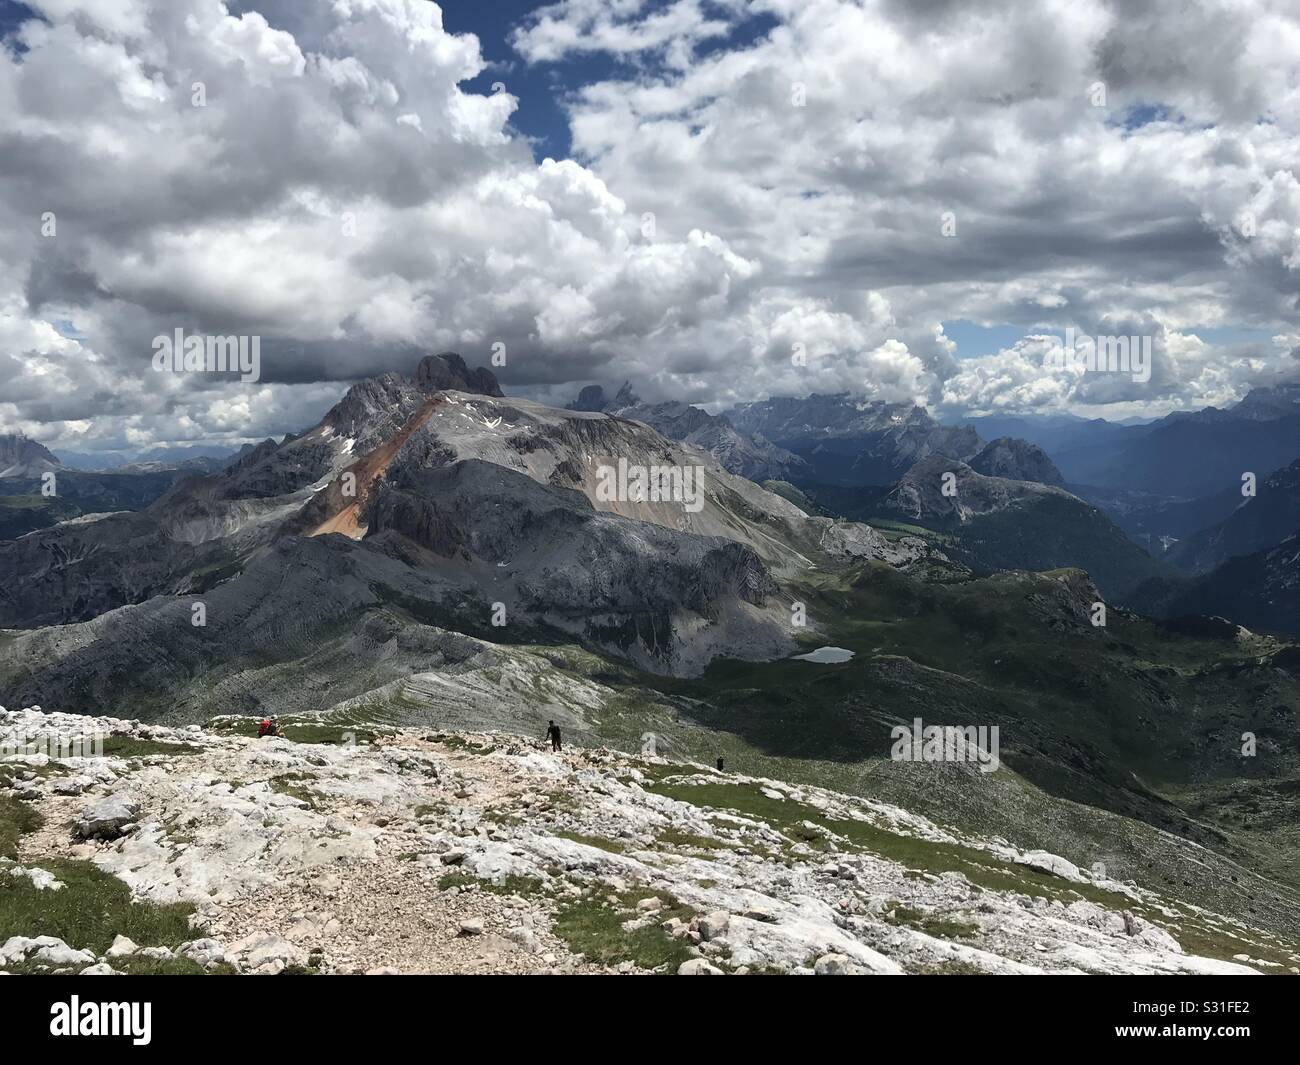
{"points": [[212, 525], [629, 587], [403, 466]]}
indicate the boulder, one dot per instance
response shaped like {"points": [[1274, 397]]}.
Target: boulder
{"points": [[46, 949], [676, 927], [267, 952], [1054, 864], [122, 947], [713, 925], [835, 965], [107, 818]]}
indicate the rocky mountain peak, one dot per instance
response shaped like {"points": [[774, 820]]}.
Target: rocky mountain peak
{"points": [[447, 371], [626, 397], [23, 457], [921, 494], [1016, 460], [592, 398]]}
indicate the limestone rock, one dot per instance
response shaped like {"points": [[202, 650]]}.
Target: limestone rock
{"points": [[698, 967], [106, 818]]}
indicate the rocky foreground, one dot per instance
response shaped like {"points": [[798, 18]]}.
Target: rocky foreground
{"points": [[412, 852]]}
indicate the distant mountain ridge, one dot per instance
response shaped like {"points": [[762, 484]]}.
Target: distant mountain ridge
{"points": [[852, 442], [744, 454], [1264, 404], [1000, 523], [1257, 522], [1192, 454], [1260, 591]]}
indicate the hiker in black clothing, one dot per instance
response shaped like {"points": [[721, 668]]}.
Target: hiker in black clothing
{"points": [[553, 734]]}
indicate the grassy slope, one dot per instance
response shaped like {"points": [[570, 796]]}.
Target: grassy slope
{"points": [[1036, 533], [1051, 532], [1097, 726], [22, 514]]}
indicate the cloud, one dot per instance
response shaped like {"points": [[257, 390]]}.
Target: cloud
{"points": [[320, 174], [626, 29], [332, 189], [1184, 372], [1040, 163]]}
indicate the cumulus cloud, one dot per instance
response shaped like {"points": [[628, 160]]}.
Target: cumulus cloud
{"points": [[324, 183], [788, 210], [624, 28], [1044, 164]]}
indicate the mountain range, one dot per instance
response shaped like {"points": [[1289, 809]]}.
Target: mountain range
{"points": [[1192, 454], [433, 553], [746, 454], [849, 442]]}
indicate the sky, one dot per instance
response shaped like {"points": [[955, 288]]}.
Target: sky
{"points": [[717, 200]]}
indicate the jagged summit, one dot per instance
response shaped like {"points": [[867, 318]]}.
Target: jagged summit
{"points": [[447, 371], [592, 398], [20, 456], [848, 441], [922, 495], [1268, 403]]}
